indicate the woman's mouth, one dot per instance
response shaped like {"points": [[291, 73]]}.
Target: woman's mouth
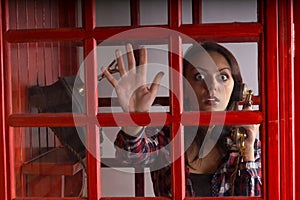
{"points": [[212, 100]]}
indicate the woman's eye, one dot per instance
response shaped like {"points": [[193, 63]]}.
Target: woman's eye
{"points": [[223, 77], [199, 77]]}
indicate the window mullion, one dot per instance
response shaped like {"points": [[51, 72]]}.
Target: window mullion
{"points": [[89, 16], [176, 106], [92, 130], [197, 11], [272, 139], [175, 13], [135, 12]]}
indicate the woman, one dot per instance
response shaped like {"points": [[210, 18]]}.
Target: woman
{"points": [[219, 170]]}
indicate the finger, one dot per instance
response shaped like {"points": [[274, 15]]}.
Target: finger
{"points": [[156, 82], [120, 62], [143, 63], [109, 77], [130, 58]]}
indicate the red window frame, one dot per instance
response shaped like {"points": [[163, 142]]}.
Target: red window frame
{"points": [[274, 36]]}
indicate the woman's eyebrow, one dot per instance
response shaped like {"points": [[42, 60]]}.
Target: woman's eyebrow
{"points": [[200, 68], [224, 68], [206, 70]]}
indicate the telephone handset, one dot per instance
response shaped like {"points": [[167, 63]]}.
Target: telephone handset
{"points": [[112, 68], [238, 134]]}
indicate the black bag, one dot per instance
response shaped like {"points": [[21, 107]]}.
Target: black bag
{"points": [[57, 98]]}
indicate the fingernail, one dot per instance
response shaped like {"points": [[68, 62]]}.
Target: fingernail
{"points": [[118, 53], [128, 47]]}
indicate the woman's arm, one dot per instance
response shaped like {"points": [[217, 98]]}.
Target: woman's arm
{"points": [[133, 93], [249, 179], [142, 148]]}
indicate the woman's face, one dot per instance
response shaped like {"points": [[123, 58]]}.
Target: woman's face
{"points": [[211, 81]]}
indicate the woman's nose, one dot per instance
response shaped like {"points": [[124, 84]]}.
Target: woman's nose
{"points": [[212, 84]]}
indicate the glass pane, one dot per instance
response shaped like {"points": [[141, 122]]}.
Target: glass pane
{"points": [[154, 12], [36, 65], [157, 61], [217, 155], [44, 14], [187, 12], [217, 11], [112, 169], [218, 158], [46, 166], [246, 54], [113, 13], [134, 171]]}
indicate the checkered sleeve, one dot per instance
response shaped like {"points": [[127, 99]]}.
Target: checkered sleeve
{"points": [[249, 181], [141, 149]]}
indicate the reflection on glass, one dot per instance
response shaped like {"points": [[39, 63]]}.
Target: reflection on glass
{"points": [[219, 160], [45, 166], [217, 155], [157, 61], [212, 82], [41, 64], [113, 170]]}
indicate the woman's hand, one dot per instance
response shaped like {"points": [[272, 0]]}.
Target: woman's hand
{"points": [[133, 93], [132, 90], [252, 131]]}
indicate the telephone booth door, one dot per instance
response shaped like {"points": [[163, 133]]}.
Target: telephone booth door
{"points": [[58, 43]]}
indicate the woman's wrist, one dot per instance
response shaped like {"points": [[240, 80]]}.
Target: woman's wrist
{"points": [[132, 130], [248, 153]]}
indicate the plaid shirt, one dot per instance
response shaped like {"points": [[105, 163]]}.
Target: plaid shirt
{"points": [[150, 147]]}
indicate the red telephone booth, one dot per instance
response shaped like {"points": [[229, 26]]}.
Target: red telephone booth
{"points": [[44, 40]]}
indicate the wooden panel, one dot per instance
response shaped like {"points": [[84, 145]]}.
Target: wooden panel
{"points": [[33, 64], [32, 14], [58, 186], [54, 162]]}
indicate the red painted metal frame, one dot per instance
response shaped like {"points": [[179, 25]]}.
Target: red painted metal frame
{"points": [[91, 99], [221, 32], [197, 14], [8, 109], [286, 103], [272, 138], [297, 95], [3, 148], [176, 99], [273, 35], [135, 12]]}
